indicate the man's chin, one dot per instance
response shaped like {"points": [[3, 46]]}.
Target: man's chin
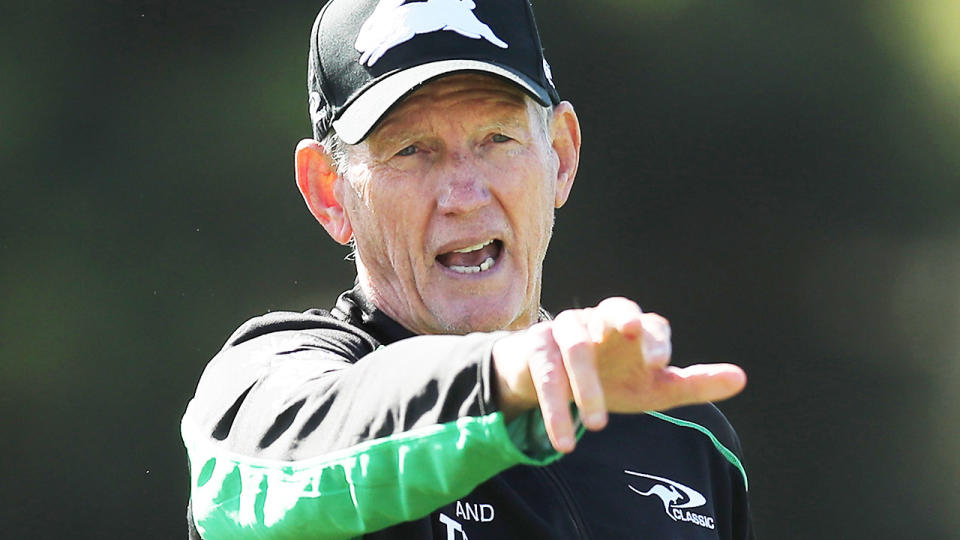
{"points": [[466, 317]]}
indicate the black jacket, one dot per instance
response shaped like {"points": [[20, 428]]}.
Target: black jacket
{"points": [[342, 424]]}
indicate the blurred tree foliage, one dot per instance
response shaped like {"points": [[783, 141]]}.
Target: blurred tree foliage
{"points": [[781, 180]]}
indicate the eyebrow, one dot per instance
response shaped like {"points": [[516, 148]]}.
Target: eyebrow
{"points": [[504, 119], [508, 97]]}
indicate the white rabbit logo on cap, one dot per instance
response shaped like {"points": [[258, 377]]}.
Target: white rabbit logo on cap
{"points": [[393, 23]]}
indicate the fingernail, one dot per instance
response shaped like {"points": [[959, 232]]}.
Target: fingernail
{"points": [[595, 420], [655, 349], [566, 444]]}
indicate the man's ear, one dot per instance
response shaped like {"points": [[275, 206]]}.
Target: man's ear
{"points": [[317, 178], [565, 137]]}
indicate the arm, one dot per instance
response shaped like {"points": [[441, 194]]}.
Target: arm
{"points": [[295, 436], [299, 430]]}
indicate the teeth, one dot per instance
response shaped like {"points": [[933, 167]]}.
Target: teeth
{"points": [[473, 248], [484, 266]]}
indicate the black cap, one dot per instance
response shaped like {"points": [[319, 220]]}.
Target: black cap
{"points": [[366, 55]]}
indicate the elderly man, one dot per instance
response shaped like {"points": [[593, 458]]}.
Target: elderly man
{"points": [[435, 400]]}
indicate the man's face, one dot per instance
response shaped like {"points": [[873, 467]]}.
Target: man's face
{"points": [[451, 203]]}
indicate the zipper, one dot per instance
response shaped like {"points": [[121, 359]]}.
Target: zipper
{"points": [[572, 508]]}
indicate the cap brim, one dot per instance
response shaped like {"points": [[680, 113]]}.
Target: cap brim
{"points": [[360, 116]]}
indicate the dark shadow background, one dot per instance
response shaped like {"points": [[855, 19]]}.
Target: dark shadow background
{"points": [[782, 181]]}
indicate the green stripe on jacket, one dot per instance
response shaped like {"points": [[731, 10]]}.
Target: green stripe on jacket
{"points": [[360, 489]]}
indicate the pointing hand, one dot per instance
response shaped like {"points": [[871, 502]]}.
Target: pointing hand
{"points": [[612, 357]]}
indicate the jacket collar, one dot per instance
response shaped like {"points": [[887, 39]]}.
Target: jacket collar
{"points": [[353, 307]]}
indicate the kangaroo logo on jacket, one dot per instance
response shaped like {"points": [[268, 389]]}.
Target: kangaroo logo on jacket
{"points": [[677, 498], [394, 22]]}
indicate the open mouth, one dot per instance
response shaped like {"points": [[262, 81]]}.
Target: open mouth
{"points": [[472, 259]]}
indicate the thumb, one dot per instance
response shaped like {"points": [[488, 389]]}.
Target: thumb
{"points": [[699, 383]]}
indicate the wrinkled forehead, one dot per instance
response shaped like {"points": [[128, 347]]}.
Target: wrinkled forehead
{"points": [[468, 80], [459, 87]]}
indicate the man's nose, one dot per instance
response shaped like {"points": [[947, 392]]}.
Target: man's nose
{"points": [[464, 188]]}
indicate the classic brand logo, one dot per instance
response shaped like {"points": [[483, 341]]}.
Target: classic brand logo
{"points": [[676, 498], [393, 23]]}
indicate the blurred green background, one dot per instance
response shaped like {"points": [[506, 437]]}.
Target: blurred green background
{"points": [[782, 180]]}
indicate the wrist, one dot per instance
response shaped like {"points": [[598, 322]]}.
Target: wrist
{"points": [[514, 390]]}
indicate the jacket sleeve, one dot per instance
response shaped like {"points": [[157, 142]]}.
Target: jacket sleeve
{"points": [[299, 433]]}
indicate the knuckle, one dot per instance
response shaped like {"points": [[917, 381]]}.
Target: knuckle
{"points": [[618, 302], [547, 377], [657, 319], [579, 350], [548, 373], [657, 326], [540, 329], [570, 331], [657, 350], [567, 318]]}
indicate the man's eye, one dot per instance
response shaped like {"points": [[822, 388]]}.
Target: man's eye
{"points": [[408, 151], [500, 138]]}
